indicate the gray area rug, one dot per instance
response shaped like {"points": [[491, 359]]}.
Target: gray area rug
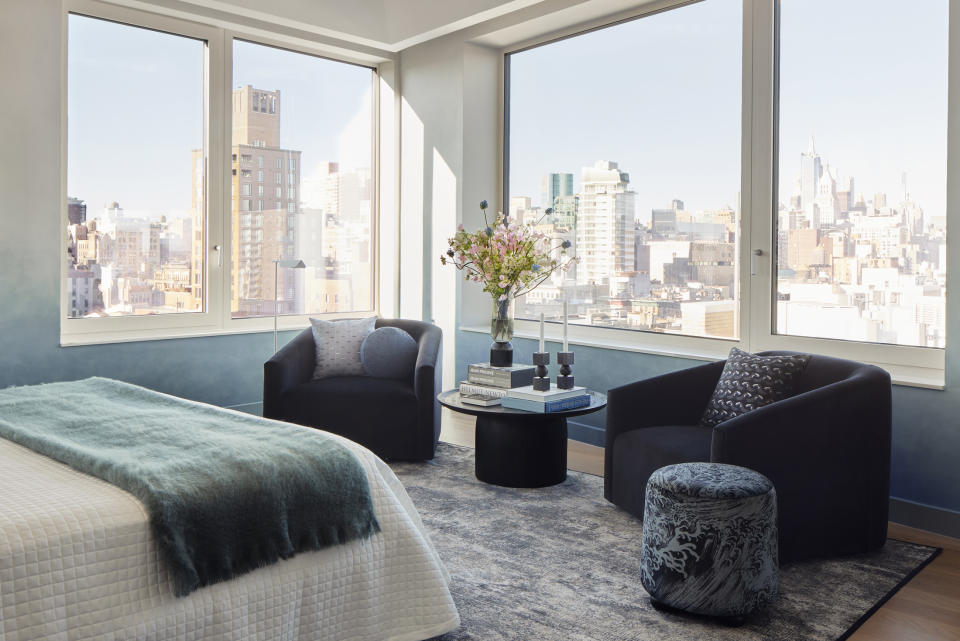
{"points": [[562, 564]]}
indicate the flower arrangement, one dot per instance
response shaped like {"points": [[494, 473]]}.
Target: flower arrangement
{"points": [[508, 258]]}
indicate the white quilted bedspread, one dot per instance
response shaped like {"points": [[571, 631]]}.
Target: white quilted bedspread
{"points": [[78, 561]]}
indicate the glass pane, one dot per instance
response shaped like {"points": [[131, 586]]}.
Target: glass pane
{"points": [[135, 171], [861, 221], [631, 135], [303, 143]]}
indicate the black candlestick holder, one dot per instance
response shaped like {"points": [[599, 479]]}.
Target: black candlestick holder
{"points": [[565, 378], [541, 382]]}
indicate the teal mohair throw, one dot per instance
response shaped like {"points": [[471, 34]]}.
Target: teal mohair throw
{"points": [[226, 492]]}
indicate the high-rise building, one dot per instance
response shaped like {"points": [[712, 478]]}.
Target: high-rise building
{"points": [[265, 203], [76, 211], [810, 172], [553, 186], [663, 221], [827, 202], [605, 226]]}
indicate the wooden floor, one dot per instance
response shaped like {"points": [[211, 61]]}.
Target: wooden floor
{"points": [[926, 609]]}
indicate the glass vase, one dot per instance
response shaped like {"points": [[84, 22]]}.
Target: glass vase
{"points": [[501, 331], [501, 321]]}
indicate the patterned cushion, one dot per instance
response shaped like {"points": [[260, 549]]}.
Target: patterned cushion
{"points": [[749, 381], [338, 345], [389, 352]]}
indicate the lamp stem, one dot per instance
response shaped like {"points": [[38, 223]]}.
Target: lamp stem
{"points": [[276, 287]]}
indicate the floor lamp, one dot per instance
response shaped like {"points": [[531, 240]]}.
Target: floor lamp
{"points": [[277, 264]]}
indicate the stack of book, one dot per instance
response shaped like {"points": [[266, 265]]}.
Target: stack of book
{"points": [[552, 400], [487, 385]]}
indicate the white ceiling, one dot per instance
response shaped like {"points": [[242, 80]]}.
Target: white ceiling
{"points": [[391, 25]]}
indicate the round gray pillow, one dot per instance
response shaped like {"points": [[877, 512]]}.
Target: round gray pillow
{"points": [[389, 352]]}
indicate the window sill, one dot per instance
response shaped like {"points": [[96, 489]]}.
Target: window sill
{"points": [[145, 335], [715, 350]]}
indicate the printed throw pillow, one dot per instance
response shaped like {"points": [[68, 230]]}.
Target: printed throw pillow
{"points": [[749, 381], [338, 345]]}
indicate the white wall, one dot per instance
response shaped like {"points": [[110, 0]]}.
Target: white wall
{"points": [[449, 146]]}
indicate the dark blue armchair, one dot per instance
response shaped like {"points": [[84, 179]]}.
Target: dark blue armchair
{"points": [[826, 449], [397, 419]]}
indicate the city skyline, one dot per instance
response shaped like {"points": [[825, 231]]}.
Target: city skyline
{"points": [[104, 114], [300, 185], [681, 133]]}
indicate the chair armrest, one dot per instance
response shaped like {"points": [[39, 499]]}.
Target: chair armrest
{"points": [[677, 398], [292, 365], [427, 383]]}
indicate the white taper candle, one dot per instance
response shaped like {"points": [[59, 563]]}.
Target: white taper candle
{"points": [[565, 325], [541, 332]]}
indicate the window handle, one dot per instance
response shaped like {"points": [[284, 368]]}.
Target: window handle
{"points": [[753, 260], [219, 250]]}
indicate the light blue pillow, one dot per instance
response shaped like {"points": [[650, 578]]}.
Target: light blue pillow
{"points": [[389, 352], [338, 345]]}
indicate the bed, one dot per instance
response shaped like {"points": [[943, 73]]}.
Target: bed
{"points": [[78, 561]]}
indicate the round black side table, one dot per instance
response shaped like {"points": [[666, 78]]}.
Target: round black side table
{"points": [[516, 448]]}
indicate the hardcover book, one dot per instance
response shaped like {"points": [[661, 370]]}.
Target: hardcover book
{"points": [[483, 400], [554, 394], [466, 387], [502, 377], [546, 407]]}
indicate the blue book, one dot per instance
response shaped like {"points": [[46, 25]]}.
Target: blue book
{"points": [[545, 407]]}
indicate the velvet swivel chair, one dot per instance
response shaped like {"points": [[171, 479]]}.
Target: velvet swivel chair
{"points": [[826, 449], [397, 419]]}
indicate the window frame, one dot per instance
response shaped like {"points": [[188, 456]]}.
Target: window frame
{"points": [[216, 317], [908, 365]]}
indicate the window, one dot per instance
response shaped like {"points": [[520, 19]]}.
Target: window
{"points": [[297, 122], [260, 190], [260, 176], [245, 189], [655, 221], [861, 203], [841, 247], [133, 226]]}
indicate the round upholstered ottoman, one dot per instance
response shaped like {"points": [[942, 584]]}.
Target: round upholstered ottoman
{"points": [[710, 539]]}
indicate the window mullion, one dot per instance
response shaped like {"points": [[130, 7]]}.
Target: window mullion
{"points": [[757, 304]]}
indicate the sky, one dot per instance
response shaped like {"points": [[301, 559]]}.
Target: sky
{"points": [[135, 112], [661, 96]]}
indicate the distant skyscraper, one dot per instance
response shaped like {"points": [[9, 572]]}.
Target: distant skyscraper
{"points": [[76, 211], [554, 186], [663, 221], [810, 172], [827, 203], [605, 226], [266, 197]]}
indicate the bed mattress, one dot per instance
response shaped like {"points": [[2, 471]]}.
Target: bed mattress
{"points": [[78, 561]]}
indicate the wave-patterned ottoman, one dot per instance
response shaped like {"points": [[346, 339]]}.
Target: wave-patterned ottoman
{"points": [[710, 539]]}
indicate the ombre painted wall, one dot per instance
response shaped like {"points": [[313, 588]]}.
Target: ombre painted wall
{"points": [[225, 370]]}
